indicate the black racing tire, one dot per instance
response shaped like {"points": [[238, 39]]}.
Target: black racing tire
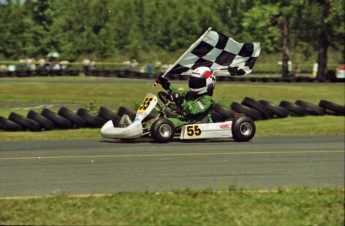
{"points": [[249, 102], [311, 109], [243, 129], [333, 107], [225, 112], [250, 112], [294, 109], [2, 127], [162, 130], [216, 117], [59, 121], [107, 115], [77, 121], [27, 123], [277, 110], [45, 123], [9, 125], [93, 121], [150, 116], [125, 111]]}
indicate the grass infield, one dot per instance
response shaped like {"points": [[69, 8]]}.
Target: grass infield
{"points": [[21, 95], [235, 206]]}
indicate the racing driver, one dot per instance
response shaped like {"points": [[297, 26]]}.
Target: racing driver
{"points": [[196, 103]]}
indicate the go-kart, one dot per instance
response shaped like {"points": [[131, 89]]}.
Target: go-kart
{"points": [[241, 128]]}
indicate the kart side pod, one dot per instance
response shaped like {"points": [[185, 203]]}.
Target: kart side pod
{"points": [[241, 129], [206, 130]]}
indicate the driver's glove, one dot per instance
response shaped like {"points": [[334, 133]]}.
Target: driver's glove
{"points": [[163, 81], [177, 98]]}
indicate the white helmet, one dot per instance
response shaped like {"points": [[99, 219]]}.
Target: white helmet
{"points": [[202, 80]]}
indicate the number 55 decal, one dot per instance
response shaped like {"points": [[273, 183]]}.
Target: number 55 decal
{"points": [[193, 131], [145, 104]]}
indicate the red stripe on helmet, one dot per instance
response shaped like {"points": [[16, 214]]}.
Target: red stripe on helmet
{"points": [[207, 74]]}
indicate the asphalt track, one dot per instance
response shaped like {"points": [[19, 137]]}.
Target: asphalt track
{"points": [[101, 166]]}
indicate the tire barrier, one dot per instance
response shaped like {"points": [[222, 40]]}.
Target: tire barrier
{"points": [[45, 123], [65, 118], [107, 115], [9, 125], [125, 111], [134, 74], [278, 111], [59, 121], [224, 112], [262, 109], [293, 109], [265, 112], [250, 112], [311, 109], [332, 108], [25, 122], [92, 121], [77, 121], [42, 73]]}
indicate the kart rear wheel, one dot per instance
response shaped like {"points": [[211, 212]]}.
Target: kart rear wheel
{"points": [[162, 130], [243, 129]]}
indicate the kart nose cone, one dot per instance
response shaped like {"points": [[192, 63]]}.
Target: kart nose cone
{"points": [[134, 130]]}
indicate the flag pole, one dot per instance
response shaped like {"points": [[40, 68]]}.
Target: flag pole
{"points": [[188, 50]]}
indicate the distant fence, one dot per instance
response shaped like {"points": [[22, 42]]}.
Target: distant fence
{"points": [[262, 72], [143, 75], [260, 68]]}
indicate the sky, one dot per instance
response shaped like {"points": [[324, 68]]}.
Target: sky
{"points": [[5, 1]]}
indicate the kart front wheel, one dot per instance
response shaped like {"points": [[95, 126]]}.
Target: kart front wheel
{"points": [[162, 130], [243, 129]]}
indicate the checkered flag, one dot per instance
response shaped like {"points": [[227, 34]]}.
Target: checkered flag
{"points": [[219, 52]]}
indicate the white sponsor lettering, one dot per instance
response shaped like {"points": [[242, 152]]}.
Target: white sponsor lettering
{"points": [[201, 105]]}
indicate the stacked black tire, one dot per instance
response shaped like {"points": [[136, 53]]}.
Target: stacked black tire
{"points": [[263, 109], [65, 118]]}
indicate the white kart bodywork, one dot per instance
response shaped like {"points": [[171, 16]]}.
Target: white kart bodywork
{"points": [[134, 130], [206, 131], [188, 132]]}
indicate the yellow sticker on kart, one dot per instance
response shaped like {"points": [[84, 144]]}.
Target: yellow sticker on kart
{"points": [[206, 130], [146, 103], [193, 130]]}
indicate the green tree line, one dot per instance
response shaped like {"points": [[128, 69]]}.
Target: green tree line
{"points": [[151, 29]]}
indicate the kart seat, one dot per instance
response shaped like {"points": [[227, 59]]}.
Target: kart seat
{"points": [[203, 118]]}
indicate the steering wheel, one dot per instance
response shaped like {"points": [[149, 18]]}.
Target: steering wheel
{"points": [[163, 97]]}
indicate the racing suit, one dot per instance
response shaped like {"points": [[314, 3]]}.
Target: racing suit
{"points": [[194, 107]]}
